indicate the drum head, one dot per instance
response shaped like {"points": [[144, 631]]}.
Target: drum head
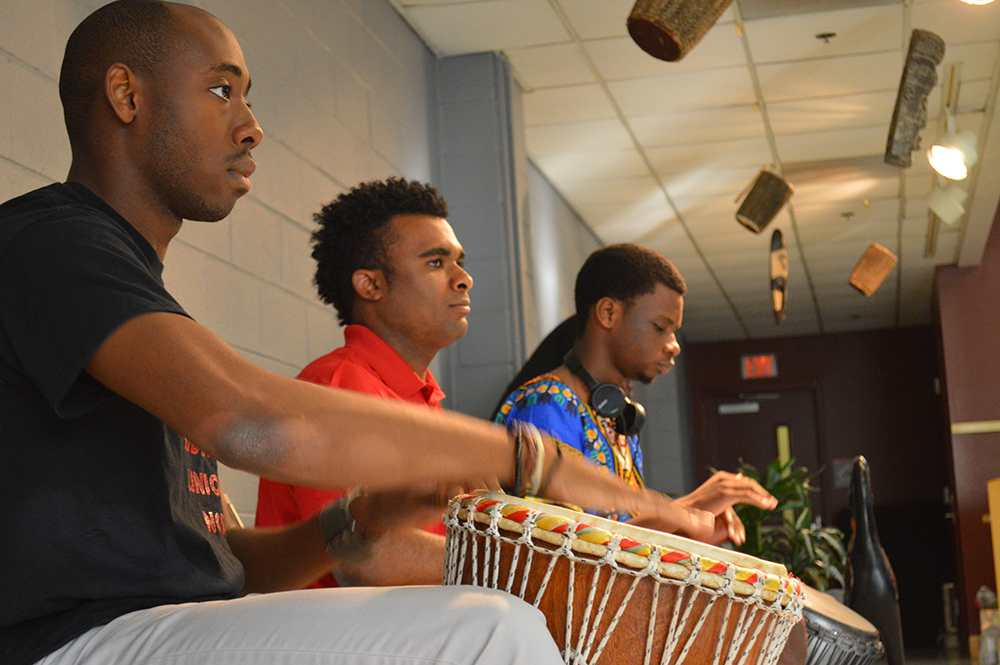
{"points": [[826, 612], [647, 536]]}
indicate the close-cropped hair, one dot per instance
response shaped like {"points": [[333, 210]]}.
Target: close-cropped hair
{"points": [[354, 234], [622, 272], [136, 33]]}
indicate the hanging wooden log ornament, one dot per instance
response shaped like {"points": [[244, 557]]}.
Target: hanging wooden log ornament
{"points": [[779, 275], [768, 194], [669, 29], [910, 113], [872, 269]]}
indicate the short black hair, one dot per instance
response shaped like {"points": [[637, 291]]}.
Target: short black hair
{"points": [[622, 272], [136, 33], [353, 234]]}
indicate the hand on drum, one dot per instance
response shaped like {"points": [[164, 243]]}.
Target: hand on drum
{"points": [[379, 512], [577, 481], [718, 494]]}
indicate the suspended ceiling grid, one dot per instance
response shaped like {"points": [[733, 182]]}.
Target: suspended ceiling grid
{"points": [[657, 153]]}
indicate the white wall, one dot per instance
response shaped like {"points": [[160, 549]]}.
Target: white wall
{"points": [[344, 92]]}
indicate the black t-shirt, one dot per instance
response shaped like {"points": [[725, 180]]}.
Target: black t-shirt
{"points": [[103, 509]]}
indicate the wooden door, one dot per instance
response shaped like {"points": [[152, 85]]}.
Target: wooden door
{"points": [[745, 427]]}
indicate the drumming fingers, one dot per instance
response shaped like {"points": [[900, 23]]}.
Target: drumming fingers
{"points": [[734, 527]]}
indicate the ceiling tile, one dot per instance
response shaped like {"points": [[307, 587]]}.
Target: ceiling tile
{"points": [[705, 206], [977, 59], [734, 122], [611, 190], [678, 159], [957, 22], [671, 240], [488, 25], [710, 182], [744, 246], [550, 66], [831, 77], [813, 115], [684, 92], [835, 144], [621, 58], [848, 213], [973, 96], [573, 103], [703, 226], [595, 19], [865, 177], [861, 233], [919, 185], [577, 137], [865, 30], [622, 222], [569, 166]]}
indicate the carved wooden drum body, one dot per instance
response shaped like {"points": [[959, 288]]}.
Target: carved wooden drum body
{"points": [[613, 593]]}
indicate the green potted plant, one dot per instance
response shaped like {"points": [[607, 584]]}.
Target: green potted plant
{"points": [[788, 534]]}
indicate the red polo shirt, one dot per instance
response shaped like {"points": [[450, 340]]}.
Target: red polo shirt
{"points": [[368, 365]]}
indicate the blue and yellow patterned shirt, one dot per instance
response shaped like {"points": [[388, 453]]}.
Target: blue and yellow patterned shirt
{"points": [[552, 406]]}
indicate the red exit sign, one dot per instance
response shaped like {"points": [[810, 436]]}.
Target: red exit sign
{"points": [[759, 367]]}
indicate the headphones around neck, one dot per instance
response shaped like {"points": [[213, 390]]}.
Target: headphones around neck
{"points": [[609, 400]]}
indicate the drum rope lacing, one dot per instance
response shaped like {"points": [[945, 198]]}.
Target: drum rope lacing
{"points": [[583, 652]]}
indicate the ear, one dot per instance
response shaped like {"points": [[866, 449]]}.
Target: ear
{"points": [[607, 312], [121, 89], [368, 284]]}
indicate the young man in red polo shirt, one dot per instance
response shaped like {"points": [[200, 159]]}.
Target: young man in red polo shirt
{"points": [[390, 264]]}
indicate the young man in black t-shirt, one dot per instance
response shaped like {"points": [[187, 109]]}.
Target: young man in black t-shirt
{"points": [[115, 406]]}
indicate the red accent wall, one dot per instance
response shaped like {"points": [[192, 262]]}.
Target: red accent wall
{"points": [[875, 397], [967, 312]]}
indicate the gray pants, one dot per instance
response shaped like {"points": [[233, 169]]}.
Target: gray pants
{"points": [[413, 625]]}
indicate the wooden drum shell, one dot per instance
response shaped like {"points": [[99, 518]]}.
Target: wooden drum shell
{"points": [[627, 611]]}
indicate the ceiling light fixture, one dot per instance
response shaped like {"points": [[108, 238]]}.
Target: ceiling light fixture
{"points": [[948, 203], [977, 2], [955, 152]]}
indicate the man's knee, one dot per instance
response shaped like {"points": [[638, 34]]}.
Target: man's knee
{"points": [[507, 620]]}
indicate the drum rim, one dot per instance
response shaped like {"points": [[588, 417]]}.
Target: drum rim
{"points": [[590, 538], [819, 614]]}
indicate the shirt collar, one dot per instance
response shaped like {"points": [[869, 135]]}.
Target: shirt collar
{"points": [[390, 366]]}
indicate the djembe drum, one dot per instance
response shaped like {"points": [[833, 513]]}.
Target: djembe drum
{"points": [[836, 634], [613, 593]]}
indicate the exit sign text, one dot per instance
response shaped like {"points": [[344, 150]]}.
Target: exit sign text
{"points": [[759, 367]]}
